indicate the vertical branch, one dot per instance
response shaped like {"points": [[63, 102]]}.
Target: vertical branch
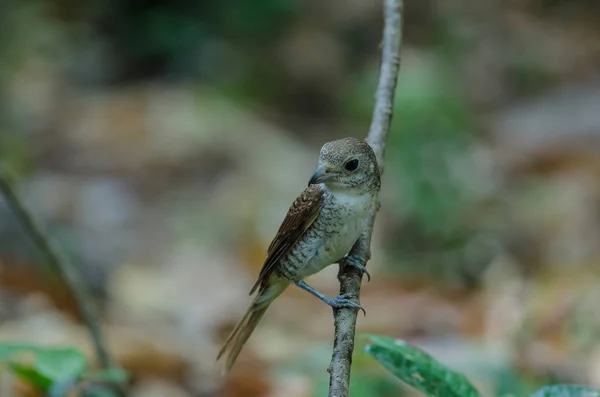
{"points": [[58, 264], [350, 277]]}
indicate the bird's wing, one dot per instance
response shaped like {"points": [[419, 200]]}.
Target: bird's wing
{"points": [[300, 216]]}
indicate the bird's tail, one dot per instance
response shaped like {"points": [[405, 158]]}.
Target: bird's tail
{"points": [[244, 328]]}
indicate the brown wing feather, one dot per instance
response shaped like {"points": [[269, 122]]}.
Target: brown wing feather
{"points": [[300, 216]]}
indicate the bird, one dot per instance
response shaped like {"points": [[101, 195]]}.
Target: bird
{"points": [[320, 228]]}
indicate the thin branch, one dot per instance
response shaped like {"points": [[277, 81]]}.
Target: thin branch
{"points": [[58, 264], [350, 277]]}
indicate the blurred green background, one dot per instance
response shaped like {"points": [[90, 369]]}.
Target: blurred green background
{"points": [[162, 142]]}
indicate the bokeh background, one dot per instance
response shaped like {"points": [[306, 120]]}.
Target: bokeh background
{"points": [[161, 143]]}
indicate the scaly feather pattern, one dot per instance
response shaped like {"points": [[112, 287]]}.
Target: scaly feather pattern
{"points": [[300, 216]]}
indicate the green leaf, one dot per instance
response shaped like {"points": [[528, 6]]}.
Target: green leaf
{"points": [[7, 350], [30, 375], [566, 391], [419, 369], [112, 375], [60, 364], [47, 366], [62, 388]]}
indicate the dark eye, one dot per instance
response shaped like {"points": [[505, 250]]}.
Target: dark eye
{"points": [[351, 165]]}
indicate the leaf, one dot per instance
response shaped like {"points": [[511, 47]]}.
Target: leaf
{"points": [[418, 369], [60, 364], [61, 388], [566, 391], [7, 350], [30, 375], [45, 367], [112, 375]]}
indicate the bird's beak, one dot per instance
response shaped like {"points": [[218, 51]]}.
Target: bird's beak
{"points": [[321, 175]]}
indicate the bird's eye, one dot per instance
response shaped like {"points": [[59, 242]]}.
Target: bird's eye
{"points": [[351, 165]]}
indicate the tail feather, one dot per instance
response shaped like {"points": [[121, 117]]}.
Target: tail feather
{"points": [[244, 328]]}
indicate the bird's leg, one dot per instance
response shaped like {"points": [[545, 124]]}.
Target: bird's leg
{"points": [[337, 302], [357, 261]]}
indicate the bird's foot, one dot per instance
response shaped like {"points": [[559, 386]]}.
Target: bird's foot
{"points": [[338, 302], [344, 300], [356, 262]]}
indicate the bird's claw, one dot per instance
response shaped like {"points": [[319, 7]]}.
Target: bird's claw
{"points": [[357, 262], [345, 300]]}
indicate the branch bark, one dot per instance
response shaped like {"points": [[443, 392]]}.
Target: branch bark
{"points": [[350, 277], [58, 264]]}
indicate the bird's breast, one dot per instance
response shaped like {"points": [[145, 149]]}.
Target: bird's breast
{"points": [[340, 224], [340, 242]]}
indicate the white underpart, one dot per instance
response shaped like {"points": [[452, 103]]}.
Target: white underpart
{"points": [[341, 229]]}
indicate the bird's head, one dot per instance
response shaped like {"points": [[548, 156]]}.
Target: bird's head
{"points": [[347, 163]]}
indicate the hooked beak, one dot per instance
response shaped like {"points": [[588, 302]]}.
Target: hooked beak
{"points": [[321, 175]]}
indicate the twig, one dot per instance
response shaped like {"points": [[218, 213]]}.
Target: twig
{"points": [[58, 264], [350, 277]]}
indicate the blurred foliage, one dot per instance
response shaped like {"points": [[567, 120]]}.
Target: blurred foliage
{"points": [[566, 391], [54, 370], [373, 386], [15, 155], [179, 38], [430, 131], [509, 382], [363, 383], [434, 124]]}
